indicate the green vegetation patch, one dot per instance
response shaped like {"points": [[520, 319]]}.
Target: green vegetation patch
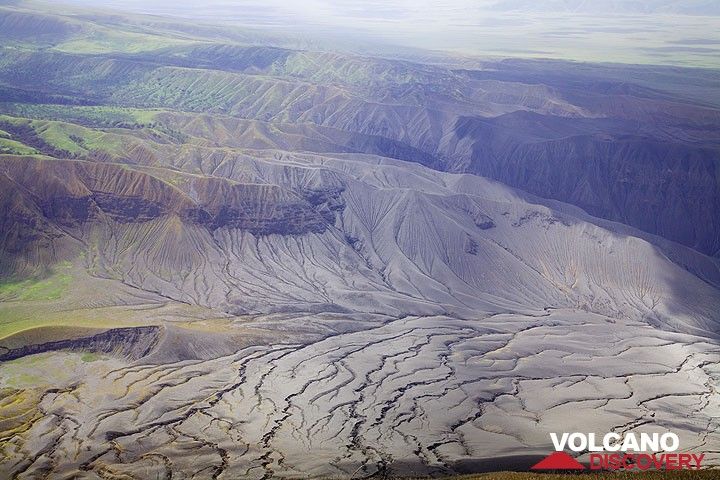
{"points": [[105, 40], [116, 131], [50, 288], [61, 139], [93, 116], [16, 317], [12, 147], [74, 138], [25, 132], [88, 357]]}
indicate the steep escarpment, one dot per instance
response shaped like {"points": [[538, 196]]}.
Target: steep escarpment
{"points": [[72, 192], [30, 242], [46, 198], [127, 343], [671, 189]]}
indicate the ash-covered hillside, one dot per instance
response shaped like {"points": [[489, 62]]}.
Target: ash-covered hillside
{"points": [[223, 257]]}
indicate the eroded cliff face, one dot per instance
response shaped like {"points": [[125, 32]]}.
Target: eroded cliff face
{"points": [[46, 199], [127, 343], [114, 216], [671, 189]]}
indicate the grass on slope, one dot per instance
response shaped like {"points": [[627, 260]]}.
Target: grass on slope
{"points": [[61, 136], [79, 130], [50, 288], [91, 116], [70, 299], [105, 40], [76, 139], [50, 301], [12, 147], [61, 139]]}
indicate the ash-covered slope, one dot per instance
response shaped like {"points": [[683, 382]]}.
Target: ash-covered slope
{"points": [[367, 316], [282, 232], [224, 260], [408, 397]]}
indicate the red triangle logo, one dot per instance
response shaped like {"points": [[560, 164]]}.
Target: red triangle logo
{"points": [[558, 461]]}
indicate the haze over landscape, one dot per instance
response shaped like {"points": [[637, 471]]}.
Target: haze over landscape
{"points": [[257, 240], [654, 32]]}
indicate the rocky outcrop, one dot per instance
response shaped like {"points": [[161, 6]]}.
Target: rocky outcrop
{"points": [[71, 193], [128, 343]]}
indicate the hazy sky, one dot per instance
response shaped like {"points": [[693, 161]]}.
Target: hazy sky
{"points": [[394, 10], [646, 31]]}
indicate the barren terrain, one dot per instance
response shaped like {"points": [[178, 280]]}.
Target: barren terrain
{"points": [[225, 257]]}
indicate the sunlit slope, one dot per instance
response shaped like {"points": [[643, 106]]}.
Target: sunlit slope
{"points": [[190, 215], [288, 232]]}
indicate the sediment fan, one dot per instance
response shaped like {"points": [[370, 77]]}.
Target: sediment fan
{"points": [[226, 261]]}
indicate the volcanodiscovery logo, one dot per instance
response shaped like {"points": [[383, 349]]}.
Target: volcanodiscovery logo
{"points": [[631, 451]]}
